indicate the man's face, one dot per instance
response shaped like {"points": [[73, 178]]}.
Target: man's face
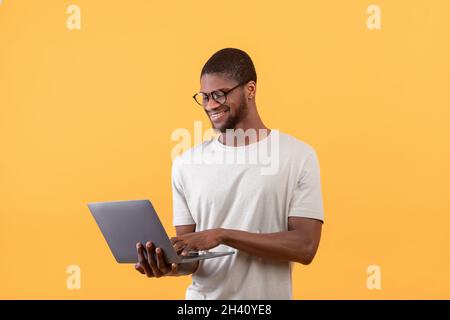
{"points": [[228, 115]]}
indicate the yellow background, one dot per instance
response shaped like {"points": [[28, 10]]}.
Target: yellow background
{"points": [[87, 115]]}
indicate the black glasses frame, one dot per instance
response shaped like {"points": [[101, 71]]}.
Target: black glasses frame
{"points": [[213, 95]]}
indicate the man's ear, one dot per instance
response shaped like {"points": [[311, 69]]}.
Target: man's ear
{"points": [[251, 90]]}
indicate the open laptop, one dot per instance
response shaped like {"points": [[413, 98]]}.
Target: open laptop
{"points": [[125, 223]]}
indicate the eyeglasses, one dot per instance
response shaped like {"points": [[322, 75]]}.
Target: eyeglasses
{"points": [[218, 96]]}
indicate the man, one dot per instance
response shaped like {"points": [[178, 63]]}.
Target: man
{"points": [[272, 220]]}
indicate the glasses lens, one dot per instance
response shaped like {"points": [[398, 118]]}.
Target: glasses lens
{"points": [[201, 99], [219, 97]]}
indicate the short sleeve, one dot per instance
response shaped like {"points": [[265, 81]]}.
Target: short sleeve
{"points": [[181, 212], [307, 196]]}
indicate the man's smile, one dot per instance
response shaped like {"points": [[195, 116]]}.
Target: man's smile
{"points": [[217, 115]]}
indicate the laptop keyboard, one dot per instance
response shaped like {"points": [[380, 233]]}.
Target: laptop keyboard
{"points": [[194, 254]]}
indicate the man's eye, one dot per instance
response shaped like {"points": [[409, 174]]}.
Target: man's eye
{"points": [[217, 94]]}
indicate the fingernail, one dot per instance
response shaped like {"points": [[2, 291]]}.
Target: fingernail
{"points": [[149, 244], [158, 250]]}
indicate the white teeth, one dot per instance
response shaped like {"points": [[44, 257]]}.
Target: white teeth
{"points": [[217, 115]]}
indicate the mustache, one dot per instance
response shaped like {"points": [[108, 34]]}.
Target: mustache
{"points": [[218, 109]]}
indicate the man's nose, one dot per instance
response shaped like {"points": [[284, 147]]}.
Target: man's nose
{"points": [[212, 104]]}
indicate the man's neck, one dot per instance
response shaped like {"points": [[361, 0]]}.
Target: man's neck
{"points": [[245, 133]]}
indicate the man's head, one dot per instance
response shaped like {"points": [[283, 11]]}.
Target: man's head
{"points": [[228, 88]]}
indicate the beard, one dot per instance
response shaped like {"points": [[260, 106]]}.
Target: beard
{"points": [[233, 119]]}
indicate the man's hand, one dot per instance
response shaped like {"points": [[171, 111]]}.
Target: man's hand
{"points": [[152, 263], [198, 241]]}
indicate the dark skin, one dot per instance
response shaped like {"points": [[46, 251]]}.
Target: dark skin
{"points": [[155, 265], [298, 244]]}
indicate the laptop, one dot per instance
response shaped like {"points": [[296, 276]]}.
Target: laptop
{"points": [[125, 223]]}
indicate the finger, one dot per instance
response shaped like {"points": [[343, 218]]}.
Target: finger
{"points": [[174, 268], [182, 248], [142, 261], [178, 247], [151, 259], [139, 268], [186, 250], [160, 262]]}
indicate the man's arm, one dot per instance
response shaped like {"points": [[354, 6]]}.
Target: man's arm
{"points": [[298, 244], [190, 267], [154, 265]]}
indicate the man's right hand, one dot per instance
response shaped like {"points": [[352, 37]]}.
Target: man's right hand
{"points": [[152, 262]]}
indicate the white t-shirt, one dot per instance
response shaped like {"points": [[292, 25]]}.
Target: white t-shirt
{"points": [[253, 188]]}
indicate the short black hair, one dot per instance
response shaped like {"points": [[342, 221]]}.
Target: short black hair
{"points": [[233, 63]]}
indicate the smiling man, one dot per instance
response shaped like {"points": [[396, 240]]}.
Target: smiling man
{"points": [[272, 220]]}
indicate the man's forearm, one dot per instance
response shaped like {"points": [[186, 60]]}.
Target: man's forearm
{"points": [[285, 246]]}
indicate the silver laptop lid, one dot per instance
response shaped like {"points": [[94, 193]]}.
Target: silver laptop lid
{"points": [[125, 223]]}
